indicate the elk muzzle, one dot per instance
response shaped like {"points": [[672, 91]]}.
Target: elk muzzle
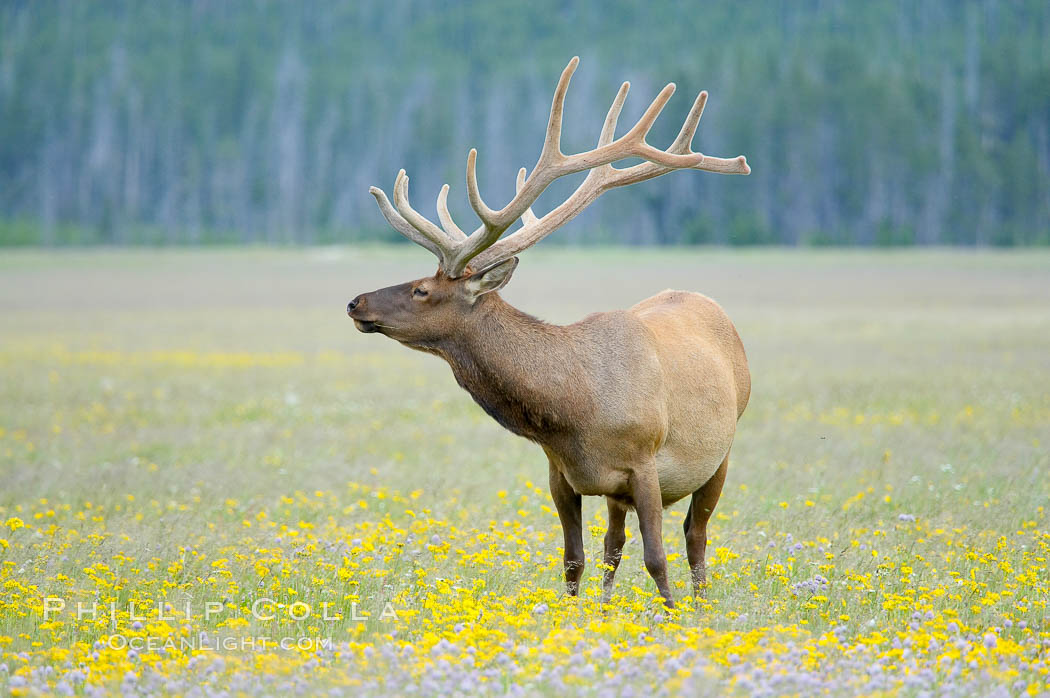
{"points": [[355, 309]]}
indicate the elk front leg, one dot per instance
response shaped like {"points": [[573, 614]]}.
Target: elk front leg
{"points": [[700, 509], [615, 537], [569, 506], [648, 502]]}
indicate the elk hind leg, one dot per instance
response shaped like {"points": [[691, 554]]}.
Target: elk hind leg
{"points": [[695, 525], [648, 502]]}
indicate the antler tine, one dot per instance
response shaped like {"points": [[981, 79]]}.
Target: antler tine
{"points": [[527, 218], [609, 129], [445, 217], [684, 141], [486, 214], [641, 129], [398, 223], [552, 142], [423, 225]]}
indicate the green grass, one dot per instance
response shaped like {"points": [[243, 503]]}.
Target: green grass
{"points": [[183, 392]]}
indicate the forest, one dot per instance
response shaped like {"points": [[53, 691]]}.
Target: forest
{"points": [[880, 123]]}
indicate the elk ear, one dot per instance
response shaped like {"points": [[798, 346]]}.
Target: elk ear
{"points": [[491, 278]]}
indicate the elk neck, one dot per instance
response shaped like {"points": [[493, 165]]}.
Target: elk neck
{"points": [[518, 368]]}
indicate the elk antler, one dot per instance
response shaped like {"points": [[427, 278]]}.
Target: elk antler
{"points": [[455, 249]]}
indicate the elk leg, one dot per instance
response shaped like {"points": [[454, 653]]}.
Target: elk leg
{"points": [[569, 506], [615, 537], [700, 509], [648, 502]]}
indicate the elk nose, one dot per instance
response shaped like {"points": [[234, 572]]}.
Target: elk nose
{"points": [[353, 304]]}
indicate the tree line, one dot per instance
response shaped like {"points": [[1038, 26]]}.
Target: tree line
{"points": [[889, 122]]}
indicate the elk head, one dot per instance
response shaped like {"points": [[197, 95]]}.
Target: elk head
{"points": [[470, 266], [421, 312]]}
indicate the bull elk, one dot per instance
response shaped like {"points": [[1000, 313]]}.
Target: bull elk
{"points": [[638, 405]]}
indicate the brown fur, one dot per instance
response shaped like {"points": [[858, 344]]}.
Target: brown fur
{"points": [[638, 405]]}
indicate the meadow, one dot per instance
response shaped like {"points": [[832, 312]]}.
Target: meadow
{"points": [[254, 498]]}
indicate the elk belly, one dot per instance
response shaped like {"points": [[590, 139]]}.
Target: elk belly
{"points": [[679, 479], [588, 476]]}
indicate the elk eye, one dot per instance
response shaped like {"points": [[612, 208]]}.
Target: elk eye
{"points": [[420, 292]]}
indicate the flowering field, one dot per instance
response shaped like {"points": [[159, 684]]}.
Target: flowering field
{"points": [[212, 482]]}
